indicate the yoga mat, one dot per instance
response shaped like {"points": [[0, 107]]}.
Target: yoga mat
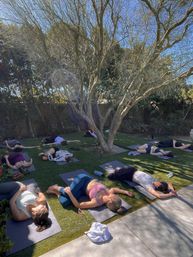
{"points": [[111, 166], [32, 167], [64, 163], [140, 189], [163, 157], [23, 233], [101, 213], [67, 141], [134, 153], [12, 142], [187, 150], [133, 147], [153, 142]]}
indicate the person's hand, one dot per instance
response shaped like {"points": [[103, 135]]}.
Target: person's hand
{"points": [[67, 190], [130, 194], [173, 193], [6, 156], [23, 188]]}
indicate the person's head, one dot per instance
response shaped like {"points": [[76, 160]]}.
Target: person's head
{"points": [[114, 204], [64, 142], [40, 217], [68, 158], [161, 186], [178, 144], [153, 103], [43, 156]]}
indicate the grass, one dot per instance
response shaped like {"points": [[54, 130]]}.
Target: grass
{"points": [[73, 224]]}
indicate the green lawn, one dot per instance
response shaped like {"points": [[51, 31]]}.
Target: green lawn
{"points": [[73, 224]]}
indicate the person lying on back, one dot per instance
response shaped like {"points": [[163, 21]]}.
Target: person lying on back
{"points": [[57, 140], [98, 194], [153, 150], [175, 144], [90, 133], [16, 146], [160, 189], [26, 202], [16, 160], [55, 154]]}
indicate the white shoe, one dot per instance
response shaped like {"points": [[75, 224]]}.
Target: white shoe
{"points": [[170, 174]]}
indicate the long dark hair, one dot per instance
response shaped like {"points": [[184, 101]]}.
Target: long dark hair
{"points": [[42, 221], [163, 187]]}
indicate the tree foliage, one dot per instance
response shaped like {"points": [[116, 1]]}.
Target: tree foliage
{"points": [[108, 50]]}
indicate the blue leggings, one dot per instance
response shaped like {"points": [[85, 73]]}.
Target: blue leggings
{"points": [[78, 188]]}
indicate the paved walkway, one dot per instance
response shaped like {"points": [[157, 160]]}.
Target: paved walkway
{"points": [[162, 229]]}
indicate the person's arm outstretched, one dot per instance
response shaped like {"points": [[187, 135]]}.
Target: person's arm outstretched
{"points": [[171, 188], [183, 146], [116, 190], [161, 195], [13, 147], [8, 163], [157, 151]]}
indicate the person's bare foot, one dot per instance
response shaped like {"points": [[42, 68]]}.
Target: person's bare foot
{"points": [[53, 189]]}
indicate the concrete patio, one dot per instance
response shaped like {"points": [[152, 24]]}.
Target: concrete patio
{"points": [[164, 228]]}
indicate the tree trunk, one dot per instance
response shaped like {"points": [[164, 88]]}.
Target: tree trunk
{"points": [[29, 122], [115, 124], [103, 144]]}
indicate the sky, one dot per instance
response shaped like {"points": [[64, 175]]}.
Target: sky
{"points": [[181, 52]]}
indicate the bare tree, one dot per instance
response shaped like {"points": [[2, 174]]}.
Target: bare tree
{"points": [[76, 38]]}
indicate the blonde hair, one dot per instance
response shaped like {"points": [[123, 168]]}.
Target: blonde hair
{"points": [[115, 205]]}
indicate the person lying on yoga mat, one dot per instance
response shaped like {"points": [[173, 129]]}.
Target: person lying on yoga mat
{"points": [[153, 150], [58, 140], [160, 189], [175, 144], [90, 133], [16, 161], [16, 146], [55, 154], [99, 194], [26, 202]]}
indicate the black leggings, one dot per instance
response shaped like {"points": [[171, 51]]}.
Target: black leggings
{"points": [[123, 174]]}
